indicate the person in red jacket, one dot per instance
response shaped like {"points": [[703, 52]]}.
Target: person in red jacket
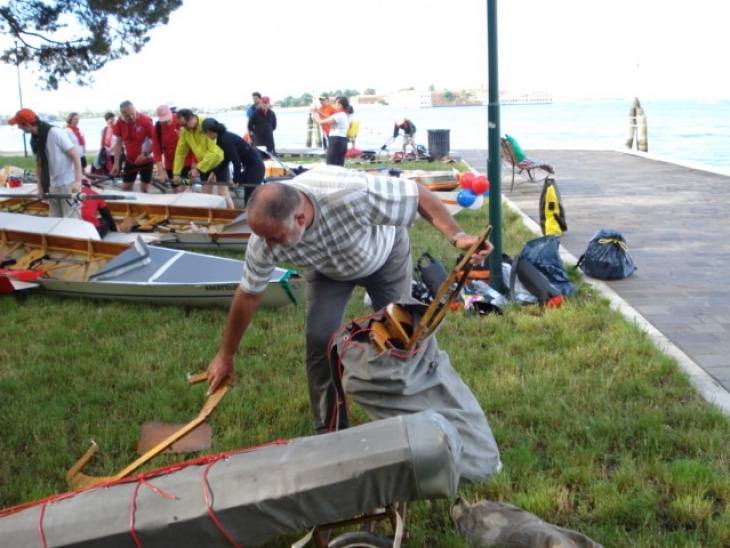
{"points": [[167, 134], [96, 212], [136, 132]]}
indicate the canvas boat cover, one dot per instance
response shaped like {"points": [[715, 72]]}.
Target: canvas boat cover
{"points": [[397, 382], [252, 496]]}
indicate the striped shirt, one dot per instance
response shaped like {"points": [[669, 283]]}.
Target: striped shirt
{"points": [[352, 233]]}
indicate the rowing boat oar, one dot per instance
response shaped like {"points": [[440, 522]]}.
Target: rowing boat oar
{"points": [[79, 480], [69, 196]]}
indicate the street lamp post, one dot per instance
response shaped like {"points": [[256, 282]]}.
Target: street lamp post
{"points": [[20, 94]]}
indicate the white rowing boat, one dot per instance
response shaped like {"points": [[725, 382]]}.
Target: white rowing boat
{"points": [[93, 268], [174, 226]]}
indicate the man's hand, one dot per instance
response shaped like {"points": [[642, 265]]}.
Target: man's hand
{"points": [[465, 242], [220, 367]]}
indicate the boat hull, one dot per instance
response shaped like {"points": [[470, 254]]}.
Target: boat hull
{"points": [[92, 268], [177, 227]]}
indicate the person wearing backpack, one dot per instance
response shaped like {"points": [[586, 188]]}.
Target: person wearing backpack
{"points": [[248, 167], [164, 144]]}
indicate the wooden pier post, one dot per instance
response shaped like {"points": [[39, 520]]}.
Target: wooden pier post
{"points": [[631, 135], [642, 141], [637, 128]]}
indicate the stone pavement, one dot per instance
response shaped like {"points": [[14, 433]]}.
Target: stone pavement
{"points": [[676, 223]]}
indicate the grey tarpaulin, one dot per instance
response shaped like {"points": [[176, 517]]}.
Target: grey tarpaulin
{"points": [[256, 495], [398, 382]]}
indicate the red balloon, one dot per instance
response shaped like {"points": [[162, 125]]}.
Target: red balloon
{"points": [[466, 180], [480, 184]]}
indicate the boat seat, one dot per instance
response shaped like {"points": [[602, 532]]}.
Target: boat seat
{"points": [[148, 222]]}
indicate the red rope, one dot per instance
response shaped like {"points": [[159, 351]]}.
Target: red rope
{"points": [[157, 472], [41, 534], [133, 506], [209, 507]]}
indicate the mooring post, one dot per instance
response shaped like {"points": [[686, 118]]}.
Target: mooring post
{"points": [[630, 136], [642, 140]]}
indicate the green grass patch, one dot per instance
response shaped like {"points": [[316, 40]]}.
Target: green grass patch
{"points": [[599, 431]]}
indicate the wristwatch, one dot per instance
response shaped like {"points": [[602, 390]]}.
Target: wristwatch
{"points": [[456, 236]]}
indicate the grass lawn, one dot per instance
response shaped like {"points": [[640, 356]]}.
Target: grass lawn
{"points": [[599, 431]]}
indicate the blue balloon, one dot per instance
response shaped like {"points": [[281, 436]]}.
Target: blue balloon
{"points": [[465, 197], [486, 194]]}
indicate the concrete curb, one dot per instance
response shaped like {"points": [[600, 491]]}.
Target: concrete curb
{"points": [[708, 387]]}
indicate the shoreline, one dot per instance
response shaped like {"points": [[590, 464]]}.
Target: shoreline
{"points": [[647, 155]]}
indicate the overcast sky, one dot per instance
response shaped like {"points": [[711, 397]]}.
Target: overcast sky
{"points": [[214, 53]]}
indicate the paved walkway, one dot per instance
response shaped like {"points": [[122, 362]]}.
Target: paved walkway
{"points": [[676, 223]]}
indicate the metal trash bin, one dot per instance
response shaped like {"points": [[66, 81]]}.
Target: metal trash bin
{"points": [[439, 143]]}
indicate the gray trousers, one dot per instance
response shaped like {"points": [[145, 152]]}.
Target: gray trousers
{"points": [[64, 207], [327, 300]]}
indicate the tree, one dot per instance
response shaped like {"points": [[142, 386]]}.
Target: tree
{"points": [[71, 39]]}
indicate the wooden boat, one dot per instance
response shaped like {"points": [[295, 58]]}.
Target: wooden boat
{"points": [[25, 186], [435, 180], [92, 268], [252, 496], [175, 226]]}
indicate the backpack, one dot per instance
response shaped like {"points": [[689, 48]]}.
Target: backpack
{"points": [[606, 256], [431, 274], [552, 211], [540, 270]]}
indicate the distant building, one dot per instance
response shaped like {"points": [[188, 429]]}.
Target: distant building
{"points": [[447, 98], [368, 99], [525, 98], [410, 99]]}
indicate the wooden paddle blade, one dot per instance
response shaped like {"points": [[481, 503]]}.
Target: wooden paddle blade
{"points": [[155, 432], [447, 293]]}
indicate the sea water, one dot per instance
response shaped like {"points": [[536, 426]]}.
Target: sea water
{"points": [[693, 132]]}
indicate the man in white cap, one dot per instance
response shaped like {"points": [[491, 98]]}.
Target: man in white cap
{"points": [[58, 166]]}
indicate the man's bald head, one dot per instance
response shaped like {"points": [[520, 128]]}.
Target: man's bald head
{"points": [[274, 202]]}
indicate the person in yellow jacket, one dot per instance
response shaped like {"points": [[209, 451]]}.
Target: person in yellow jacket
{"points": [[209, 164]]}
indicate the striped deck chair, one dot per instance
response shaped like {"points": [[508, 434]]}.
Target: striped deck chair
{"points": [[511, 153]]}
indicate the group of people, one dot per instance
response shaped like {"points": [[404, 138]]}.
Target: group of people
{"points": [[261, 122], [180, 144], [335, 121]]}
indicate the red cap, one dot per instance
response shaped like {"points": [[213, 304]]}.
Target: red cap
{"points": [[265, 99], [23, 116]]}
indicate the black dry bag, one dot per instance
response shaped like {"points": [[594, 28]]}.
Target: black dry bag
{"points": [[607, 256]]}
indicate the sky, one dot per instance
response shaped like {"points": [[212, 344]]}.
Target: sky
{"points": [[214, 53]]}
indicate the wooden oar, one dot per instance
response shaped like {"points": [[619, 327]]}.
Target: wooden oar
{"points": [[79, 480], [447, 294]]}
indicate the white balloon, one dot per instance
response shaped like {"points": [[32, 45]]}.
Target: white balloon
{"points": [[478, 202]]}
